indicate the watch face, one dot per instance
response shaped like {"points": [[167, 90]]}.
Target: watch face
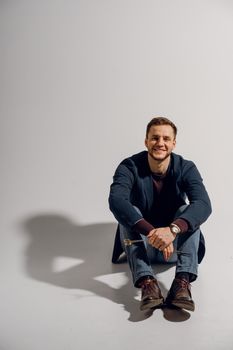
{"points": [[175, 229]]}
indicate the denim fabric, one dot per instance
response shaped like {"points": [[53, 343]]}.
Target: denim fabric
{"points": [[141, 255]]}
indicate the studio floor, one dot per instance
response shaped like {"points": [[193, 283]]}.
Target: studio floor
{"points": [[60, 291]]}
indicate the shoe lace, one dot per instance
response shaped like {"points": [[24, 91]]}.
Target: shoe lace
{"points": [[149, 285], [183, 284]]}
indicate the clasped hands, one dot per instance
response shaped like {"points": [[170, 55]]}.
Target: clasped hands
{"points": [[162, 238]]}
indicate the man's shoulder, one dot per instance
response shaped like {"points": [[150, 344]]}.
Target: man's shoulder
{"points": [[136, 163], [179, 160], [181, 166], [136, 158]]}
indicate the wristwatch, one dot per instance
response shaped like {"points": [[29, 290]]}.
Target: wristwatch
{"points": [[175, 229]]}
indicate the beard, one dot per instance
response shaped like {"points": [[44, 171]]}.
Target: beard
{"points": [[159, 158]]}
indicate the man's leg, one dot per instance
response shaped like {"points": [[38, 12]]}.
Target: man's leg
{"points": [[187, 245], [136, 255], [187, 254], [142, 273]]}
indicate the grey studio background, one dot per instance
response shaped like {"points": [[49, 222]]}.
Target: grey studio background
{"points": [[79, 82]]}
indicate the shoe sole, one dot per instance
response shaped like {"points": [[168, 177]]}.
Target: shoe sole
{"points": [[183, 304], [151, 304]]}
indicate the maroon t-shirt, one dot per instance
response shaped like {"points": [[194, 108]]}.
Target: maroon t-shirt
{"points": [[143, 226]]}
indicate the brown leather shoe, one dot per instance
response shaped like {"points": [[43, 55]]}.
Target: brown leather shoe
{"points": [[180, 296], [151, 294]]}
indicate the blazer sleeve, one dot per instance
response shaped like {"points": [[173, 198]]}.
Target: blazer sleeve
{"points": [[120, 195], [199, 207]]}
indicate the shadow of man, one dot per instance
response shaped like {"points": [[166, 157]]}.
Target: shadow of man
{"points": [[52, 236]]}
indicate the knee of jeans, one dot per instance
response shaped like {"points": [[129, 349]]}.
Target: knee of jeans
{"points": [[181, 210]]}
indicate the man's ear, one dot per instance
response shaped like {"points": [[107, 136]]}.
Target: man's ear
{"points": [[145, 142]]}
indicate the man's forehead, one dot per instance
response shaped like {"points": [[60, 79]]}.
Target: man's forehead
{"points": [[161, 129]]}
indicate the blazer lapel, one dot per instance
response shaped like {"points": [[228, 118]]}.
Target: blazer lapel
{"points": [[148, 189], [147, 183]]}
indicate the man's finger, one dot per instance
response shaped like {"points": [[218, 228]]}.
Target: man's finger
{"points": [[165, 254]]}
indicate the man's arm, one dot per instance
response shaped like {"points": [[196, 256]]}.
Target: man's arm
{"points": [[199, 206], [120, 196], [196, 212]]}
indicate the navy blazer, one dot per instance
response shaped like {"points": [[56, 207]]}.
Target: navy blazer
{"points": [[133, 186]]}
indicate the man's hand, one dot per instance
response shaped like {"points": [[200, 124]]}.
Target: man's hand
{"points": [[160, 238], [167, 252]]}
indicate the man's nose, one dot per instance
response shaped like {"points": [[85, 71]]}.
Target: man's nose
{"points": [[160, 141]]}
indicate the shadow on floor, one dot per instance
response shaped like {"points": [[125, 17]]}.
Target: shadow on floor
{"points": [[53, 236]]}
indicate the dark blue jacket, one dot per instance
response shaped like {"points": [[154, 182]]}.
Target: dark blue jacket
{"points": [[133, 186]]}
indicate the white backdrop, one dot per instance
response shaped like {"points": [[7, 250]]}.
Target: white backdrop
{"points": [[81, 79]]}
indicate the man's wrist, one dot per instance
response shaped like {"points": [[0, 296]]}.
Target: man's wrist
{"points": [[175, 229], [182, 224]]}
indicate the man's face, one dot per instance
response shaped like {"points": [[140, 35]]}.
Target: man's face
{"points": [[160, 142]]}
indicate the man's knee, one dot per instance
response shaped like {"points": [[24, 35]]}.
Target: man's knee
{"points": [[123, 228]]}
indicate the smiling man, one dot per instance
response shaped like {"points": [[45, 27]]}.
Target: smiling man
{"points": [[160, 201]]}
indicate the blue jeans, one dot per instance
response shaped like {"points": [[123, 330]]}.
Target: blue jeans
{"points": [[141, 255]]}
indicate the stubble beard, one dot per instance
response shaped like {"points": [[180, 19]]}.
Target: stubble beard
{"points": [[159, 160]]}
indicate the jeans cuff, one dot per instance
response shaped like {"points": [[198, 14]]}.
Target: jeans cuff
{"points": [[142, 274]]}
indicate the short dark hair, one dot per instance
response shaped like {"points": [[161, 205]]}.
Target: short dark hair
{"points": [[160, 121]]}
